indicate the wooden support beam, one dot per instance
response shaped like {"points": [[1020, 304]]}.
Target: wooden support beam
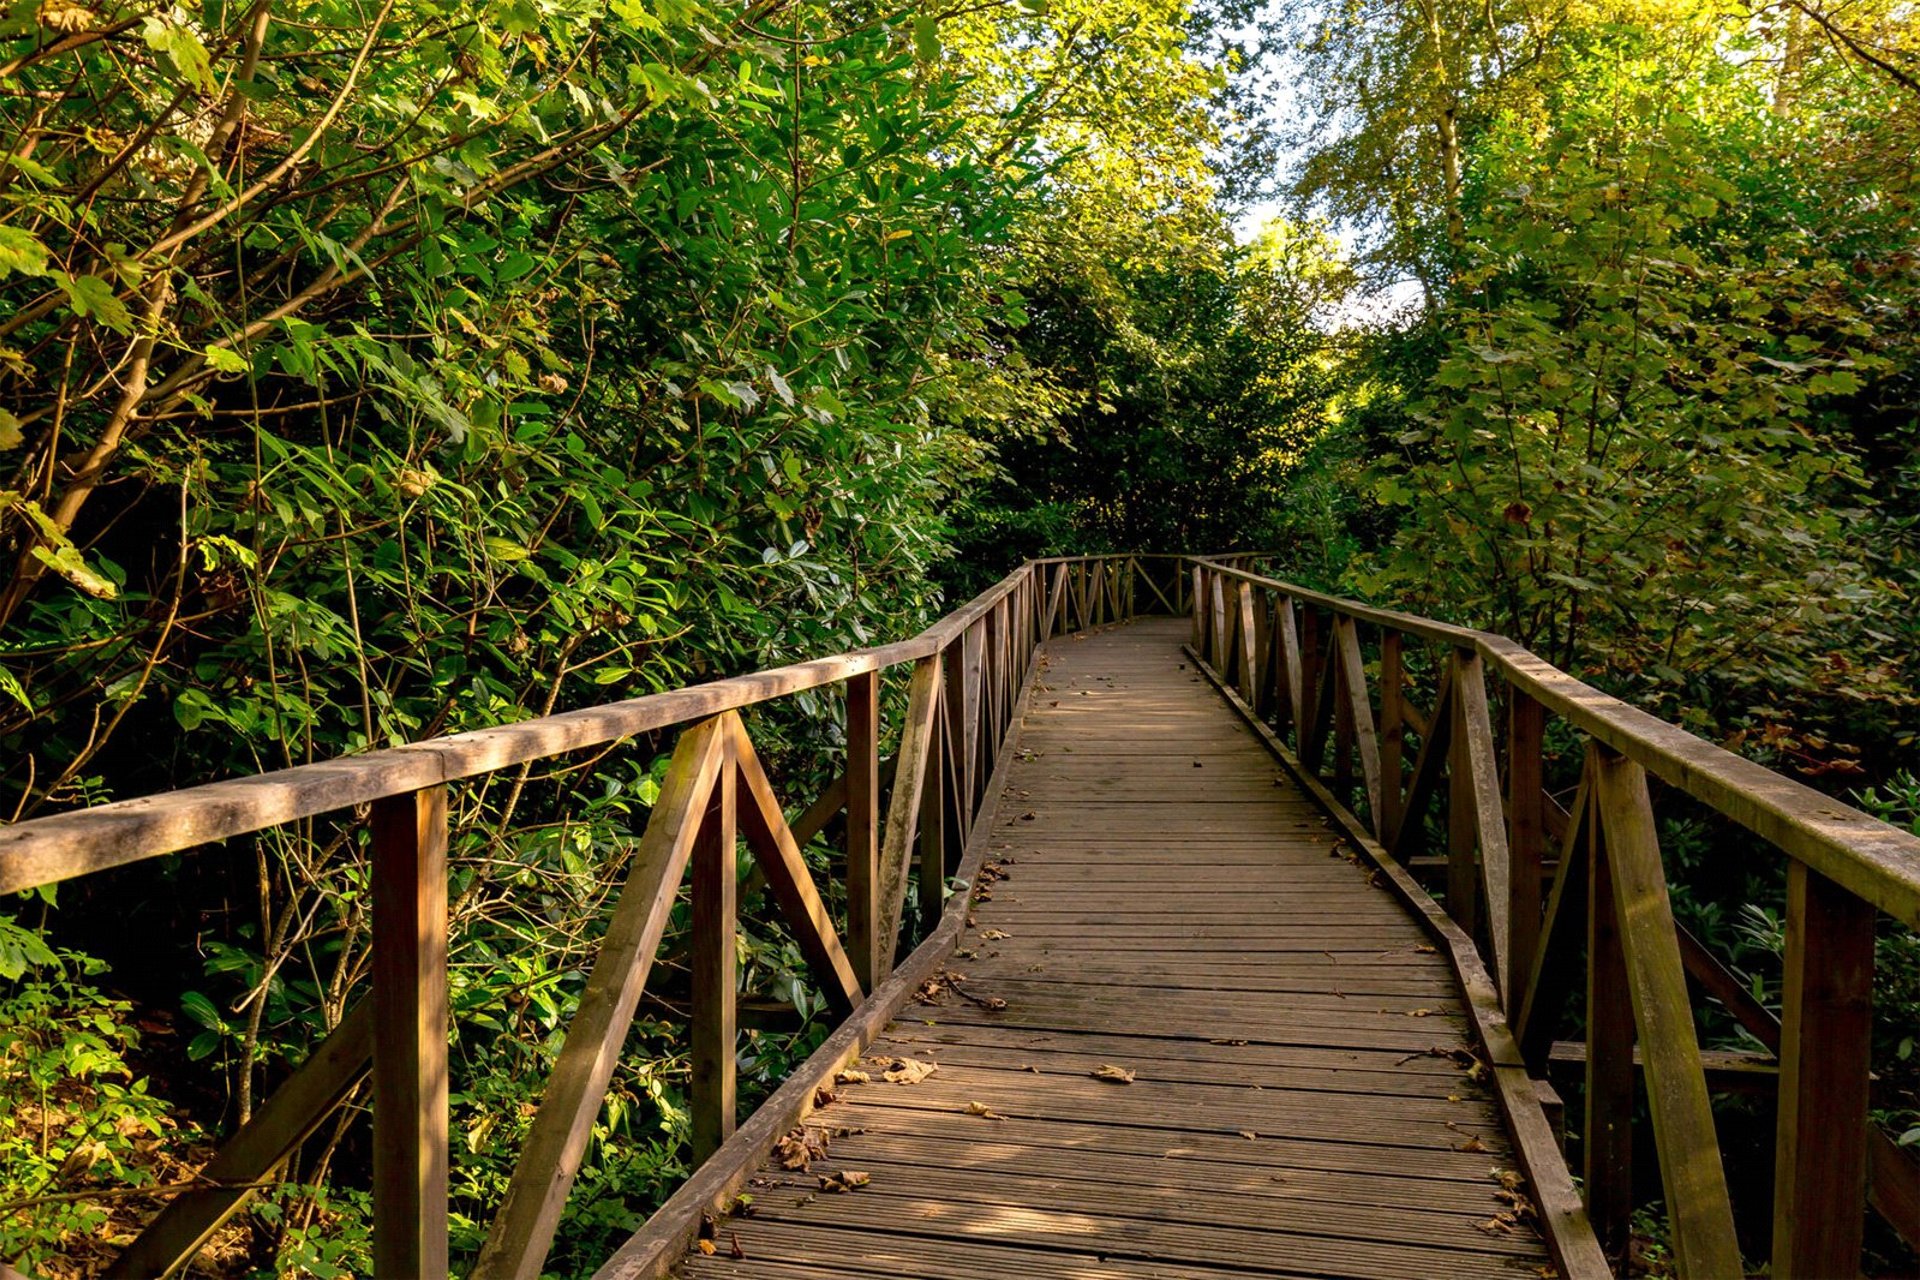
{"points": [[1198, 611], [932, 852], [1606, 1144], [1393, 736], [522, 1233], [714, 1095], [1727, 1071], [289, 1116], [1826, 1046], [863, 829], [1698, 1209], [1244, 636], [1428, 767], [409, 881], [1562, 936], [1353, 671], [1729, 989], [1292, 667], [778, 853], [1476, 779], [972, 649], [910, 779], [1526, 843]]}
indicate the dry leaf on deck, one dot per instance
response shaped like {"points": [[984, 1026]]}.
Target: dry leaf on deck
{"points": [[844, 1181], [982, 1109], [994, 935], [705, 1246], [851, 1077], [908, 1071], [1112, 1074]]}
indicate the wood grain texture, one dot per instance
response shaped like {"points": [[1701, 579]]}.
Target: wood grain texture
{"points": [[1826, 1049], [522, 1231], [1303, 1096], [410, 1025]]}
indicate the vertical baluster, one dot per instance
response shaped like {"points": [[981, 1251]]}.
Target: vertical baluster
{"points": [[1246, 640], [1222, 641], [863, 826], [1344, 728], [1463, 873], [409, 883], [1199, 611], [953, 699], [1826, 1042], [1526, 841], [932, 832], [1393, 735], [1311, 731], [1607, 1138], [713, 957]]}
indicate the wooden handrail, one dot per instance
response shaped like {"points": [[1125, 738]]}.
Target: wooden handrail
{"points": [[1263, 641], [1873, 859], [969, 672]]}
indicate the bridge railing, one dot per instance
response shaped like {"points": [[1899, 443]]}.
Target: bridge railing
{"points": [[1331, 676], [965, 677]]}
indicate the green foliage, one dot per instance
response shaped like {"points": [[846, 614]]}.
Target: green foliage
{"points": [[74, 1117], [1620, 456], [1192, 402]]}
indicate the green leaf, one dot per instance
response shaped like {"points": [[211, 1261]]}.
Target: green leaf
{"points": [[21, 251], [90, 296], [10, 433], [182, 48], [67, 561], [227, 360], [926, 39]]}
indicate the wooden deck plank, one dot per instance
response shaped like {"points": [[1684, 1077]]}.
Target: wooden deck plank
{"points": [[1302, 1101]]}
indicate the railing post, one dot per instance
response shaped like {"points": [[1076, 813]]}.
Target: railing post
{"points": [[1393, 734], [713, 955], [1826, 1042], [409, 883], [1246, 638], [1463, 872], [863, 826], [1606, 1143], [1199, 612], [1526, 842], [932, 833]]}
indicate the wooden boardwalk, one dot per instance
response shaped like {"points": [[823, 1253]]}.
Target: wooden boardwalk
{"points": [[1302, 1102]]}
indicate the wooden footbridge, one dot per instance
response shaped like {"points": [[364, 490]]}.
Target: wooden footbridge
{"points": [[1180, 1002]]}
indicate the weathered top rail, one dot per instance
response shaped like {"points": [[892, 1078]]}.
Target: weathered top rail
{"points": [[60, 847], [1873, 859]]}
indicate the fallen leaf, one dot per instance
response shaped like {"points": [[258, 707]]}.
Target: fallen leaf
{"points": [[908, 1071], [851, 1077], [706, 1247], [844, 1181], [825, 1097], [1472, 1144], [734, 1250], [994, 935], [983, 1110], [1419, 1013], [1249, 1134], [801, 1147], [1112, 1074]]}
